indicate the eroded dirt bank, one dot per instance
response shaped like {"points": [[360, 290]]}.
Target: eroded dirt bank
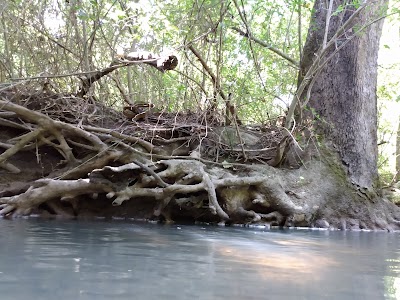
{"points": [[71, 157]]}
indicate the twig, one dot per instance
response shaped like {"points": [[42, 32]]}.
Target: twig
{"points": [[299, 4], [121, 89], [328, 19], [255, 60], [10, 167], [238, 132], [191, 79]]}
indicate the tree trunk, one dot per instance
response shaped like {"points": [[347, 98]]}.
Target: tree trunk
{"points": [[398, 152], [343, 95]]}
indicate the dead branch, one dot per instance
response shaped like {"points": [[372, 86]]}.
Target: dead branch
{"points": [[161, 63], [25, 139], [123, 137], [217, 85], [10, 167], [269, 47], [47, 126], [89, 164]]}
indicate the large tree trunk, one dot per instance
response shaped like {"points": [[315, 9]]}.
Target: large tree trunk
{"points": [[398, 152], [343, 95]]}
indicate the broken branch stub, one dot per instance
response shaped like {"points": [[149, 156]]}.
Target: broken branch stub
{"points": [[161, 63]]}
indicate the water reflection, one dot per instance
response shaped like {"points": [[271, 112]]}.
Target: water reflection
{"points": [[96, 260]]}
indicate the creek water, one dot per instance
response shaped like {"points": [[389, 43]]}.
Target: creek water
{"points": [[119, 260]]}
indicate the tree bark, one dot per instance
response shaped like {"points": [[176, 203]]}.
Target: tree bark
{"points": [[342, 102], [398, 152]]}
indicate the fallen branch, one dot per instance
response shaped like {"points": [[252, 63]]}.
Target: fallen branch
{"points": [[46, 125]]}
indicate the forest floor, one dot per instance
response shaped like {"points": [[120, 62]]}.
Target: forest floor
{"points": [[71, 157]]}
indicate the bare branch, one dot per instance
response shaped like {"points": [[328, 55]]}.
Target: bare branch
{"points": [[231, 108], [273, 49], [328, 19], [161, 63]]}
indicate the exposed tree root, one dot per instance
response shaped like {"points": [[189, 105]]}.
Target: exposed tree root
{"points": [[43, 190], [80, 167]]}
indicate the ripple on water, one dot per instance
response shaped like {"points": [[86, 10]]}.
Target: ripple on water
{"points": [[89, 260]]}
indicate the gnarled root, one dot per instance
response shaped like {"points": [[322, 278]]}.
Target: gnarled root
{"points": [[47, 189], [189, 176], [169, 178]]}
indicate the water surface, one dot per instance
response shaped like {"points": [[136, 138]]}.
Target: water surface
{"points": [[116, 260]]}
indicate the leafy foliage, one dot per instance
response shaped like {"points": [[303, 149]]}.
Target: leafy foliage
{"points": [[63, 37], [50, 37]]}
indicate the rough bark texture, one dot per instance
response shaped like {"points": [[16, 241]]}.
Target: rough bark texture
{"points": [[343, 96], [398, 152]]}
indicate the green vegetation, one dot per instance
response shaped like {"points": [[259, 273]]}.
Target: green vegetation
{"points": [[389, 100], [53, 38], [282, 81], [63, 37]]}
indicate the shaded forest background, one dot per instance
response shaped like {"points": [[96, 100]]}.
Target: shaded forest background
{"points": [[57, 38], [63, 37]]}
